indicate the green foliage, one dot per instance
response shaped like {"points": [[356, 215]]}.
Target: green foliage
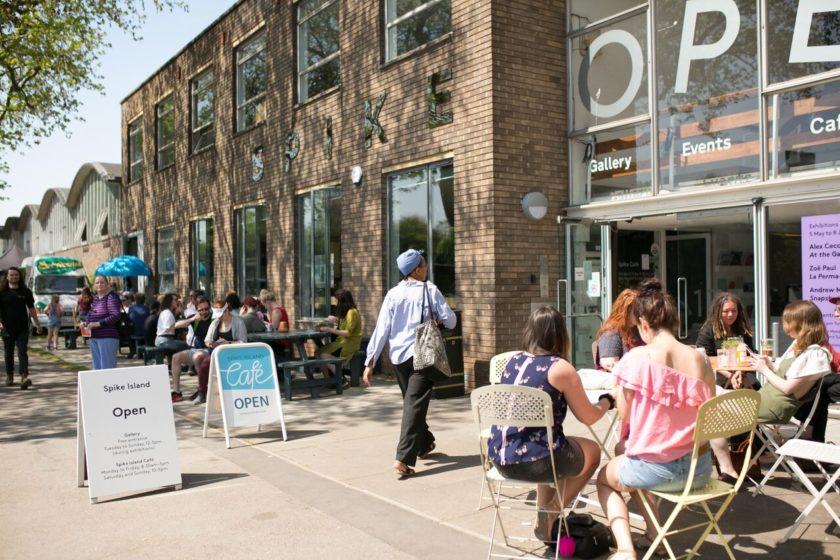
{"points": [[49, 52]]}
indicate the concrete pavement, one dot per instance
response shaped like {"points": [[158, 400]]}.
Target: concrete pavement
{"points": [[326, 492]]}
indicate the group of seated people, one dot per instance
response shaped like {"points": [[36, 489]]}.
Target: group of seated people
{"points": [[660, 385]]}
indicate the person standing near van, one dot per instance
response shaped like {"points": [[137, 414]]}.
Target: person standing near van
{"points": [[54, 313], [400, 315], [17, 309]]}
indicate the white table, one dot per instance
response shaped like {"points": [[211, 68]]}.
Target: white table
{"points": [[811, 450]]}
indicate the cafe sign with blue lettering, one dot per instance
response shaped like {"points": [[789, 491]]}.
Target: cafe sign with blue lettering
{"points": [[247, 386]]}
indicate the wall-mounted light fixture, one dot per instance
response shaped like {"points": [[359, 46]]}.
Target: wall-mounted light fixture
{"points": [[356, 175], [535, 205]]}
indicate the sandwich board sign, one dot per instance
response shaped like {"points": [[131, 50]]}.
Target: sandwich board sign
{"points": [[248, 391], [126, 441]]}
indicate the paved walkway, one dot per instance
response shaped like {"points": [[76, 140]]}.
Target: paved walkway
{"points": [[326, 492]]}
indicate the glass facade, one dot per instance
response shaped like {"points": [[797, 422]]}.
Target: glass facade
{"points": [[165, 260], [201, 255], [250, 256], [319, 250], [422, 216], [318, 47], [717, 90]]}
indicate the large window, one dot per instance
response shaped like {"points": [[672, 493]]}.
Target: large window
{"points": [[165, 125], [201, 255], [201, 112], [166, 260], [422, 216], [803, 38], [319, 250], [135, 149], [410, 24], [250, 255], [251, 71], [318, 47]]}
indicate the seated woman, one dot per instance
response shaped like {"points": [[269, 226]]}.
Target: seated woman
{"points": [[727, 319], [660, 388], [618, 335], [226, 329], [791, 378], [275, 313], [349, 331], [523, 454]]}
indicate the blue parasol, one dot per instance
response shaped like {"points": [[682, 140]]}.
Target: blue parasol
{"points": [[125, 265]]}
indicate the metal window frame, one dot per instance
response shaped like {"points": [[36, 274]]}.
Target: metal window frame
{"points": [[194, 91], [159, 116], [333, 188], [195, 259], [302, 72], [240, 62], [158, 261], [391, 23], [137, 125]]}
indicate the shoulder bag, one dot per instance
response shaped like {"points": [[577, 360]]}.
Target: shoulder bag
{"points": [[429, 347]]}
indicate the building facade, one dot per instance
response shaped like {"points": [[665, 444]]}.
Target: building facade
{"points": [[300, 146], [704, 147], [82, 221]]}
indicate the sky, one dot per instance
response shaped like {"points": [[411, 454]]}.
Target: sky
{"points": [[54, 162]]}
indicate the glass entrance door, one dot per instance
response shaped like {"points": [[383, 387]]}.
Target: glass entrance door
{"points": [[688, 280], [587, 287]]}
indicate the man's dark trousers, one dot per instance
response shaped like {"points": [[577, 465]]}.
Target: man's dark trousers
{"points": [[416, 387], [11, 340]]}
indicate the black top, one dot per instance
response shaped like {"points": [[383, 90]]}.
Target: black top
{"points": [[15, 304], [225, 335], [150, 328], [200, 328], [707, 341]]}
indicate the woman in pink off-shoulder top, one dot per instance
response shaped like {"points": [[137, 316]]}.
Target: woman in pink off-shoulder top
{"points": [[660, 388]]}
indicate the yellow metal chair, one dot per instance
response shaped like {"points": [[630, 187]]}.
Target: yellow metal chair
{"points": [[724, 416], [512, 405]]}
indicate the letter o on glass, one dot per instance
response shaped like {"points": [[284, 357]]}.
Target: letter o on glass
{"points": [[637, 65]]}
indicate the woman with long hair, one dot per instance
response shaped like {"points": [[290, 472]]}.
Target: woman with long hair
{"points": [[102, 321], [618, 335], [17, 312], [524, 453], [660, 387], [348, 332], [790, 379], [727, 319]]}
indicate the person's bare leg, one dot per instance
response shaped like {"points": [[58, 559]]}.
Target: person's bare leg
{"points": [[612, 502], [177, 360], [720, 447], [650, 527]]}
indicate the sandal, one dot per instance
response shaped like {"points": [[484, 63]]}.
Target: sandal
{"points": [[402, 470], [542, 528], [642, 543]]}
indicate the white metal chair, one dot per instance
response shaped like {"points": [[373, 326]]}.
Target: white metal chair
{"points": [[819, 453], [772, 436], [723, 416], [512, 405]]}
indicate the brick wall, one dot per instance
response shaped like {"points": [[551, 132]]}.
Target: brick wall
{"points": [[492, 168]]}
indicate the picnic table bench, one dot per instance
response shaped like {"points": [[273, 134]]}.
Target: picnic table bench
{"points": [[70, 335]]}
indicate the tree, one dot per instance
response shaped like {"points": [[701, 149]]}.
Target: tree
{"points": [[49, 52]]}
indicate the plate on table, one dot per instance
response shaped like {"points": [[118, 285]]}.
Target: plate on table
{"points": [[594, 379]]}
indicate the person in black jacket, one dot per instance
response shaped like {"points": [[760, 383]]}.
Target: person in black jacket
{"points": [[727, 319], [150, 325], [17, 309]]}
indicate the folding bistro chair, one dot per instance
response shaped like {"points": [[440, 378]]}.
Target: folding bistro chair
{"points": [[512, 405], [723, 416], [819, 453], [772, 436], [498, 363]]}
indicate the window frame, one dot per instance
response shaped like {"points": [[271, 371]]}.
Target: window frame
{"points": [[159, 116], [158, 261], [137, 125], [392, 23], [195, 258], [240, 281], [302, 72], [332, 192], [194, 91], [429, 248], [241, 104]]}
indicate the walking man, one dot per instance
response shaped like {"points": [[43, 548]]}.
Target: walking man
{"points": [[17, 307], [401, 313]]}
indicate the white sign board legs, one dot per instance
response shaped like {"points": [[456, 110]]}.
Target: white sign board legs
{"points": [[248, 390], [126, 438]]}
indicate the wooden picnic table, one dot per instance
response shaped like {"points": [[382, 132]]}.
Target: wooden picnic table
{"points": [[297, 338]]}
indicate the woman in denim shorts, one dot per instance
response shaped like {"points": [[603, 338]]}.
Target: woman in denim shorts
{"points": [[660, 388]]}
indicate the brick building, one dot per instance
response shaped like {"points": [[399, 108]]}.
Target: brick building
{"points": [[301, 146]]}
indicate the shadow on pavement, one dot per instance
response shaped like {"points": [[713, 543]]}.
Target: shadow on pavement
{"points": [[194, 480], [441, 463]]}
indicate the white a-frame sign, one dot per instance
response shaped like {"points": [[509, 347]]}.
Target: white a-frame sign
{"points": [[248, 391], [126, 439]]}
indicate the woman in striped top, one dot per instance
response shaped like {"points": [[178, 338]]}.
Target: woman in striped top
{"points": [[102, 321]]}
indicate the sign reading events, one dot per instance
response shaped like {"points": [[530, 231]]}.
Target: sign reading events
{"points": [[126, 433], [821, 267], [248, 388]]}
